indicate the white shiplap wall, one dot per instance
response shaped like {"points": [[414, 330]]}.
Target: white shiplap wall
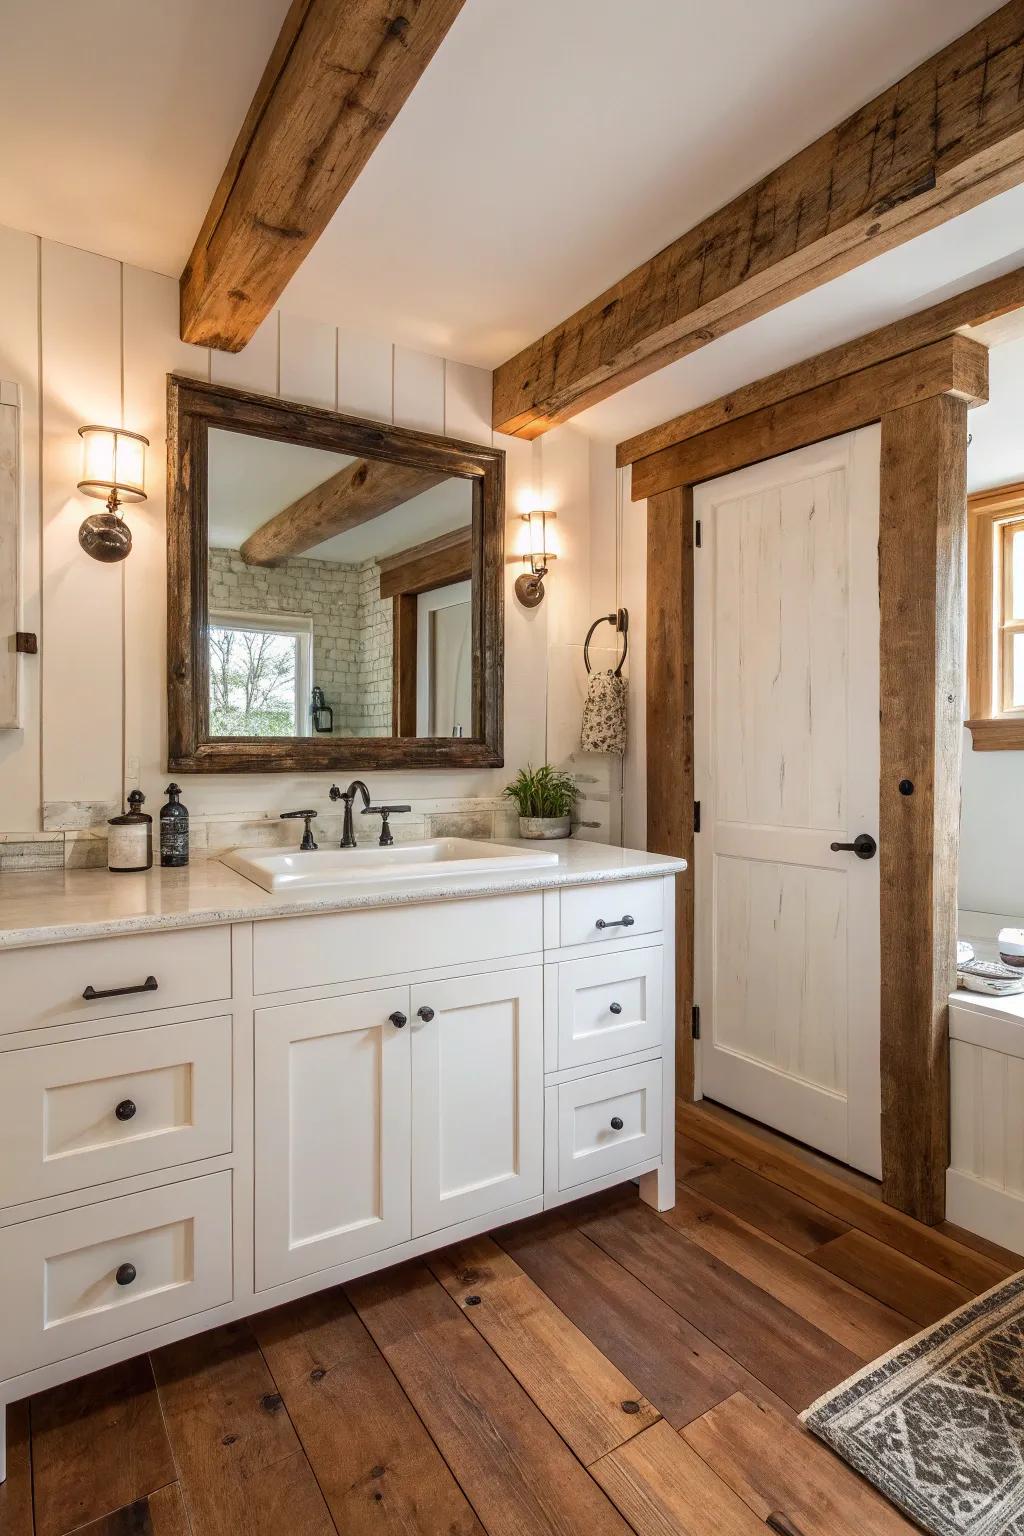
{"points": [[89, 339]]}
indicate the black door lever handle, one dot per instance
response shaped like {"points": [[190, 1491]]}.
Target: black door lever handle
{"points": [[863, 845]]}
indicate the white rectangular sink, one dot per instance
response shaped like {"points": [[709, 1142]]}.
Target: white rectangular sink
{"points": [[291, 871]]}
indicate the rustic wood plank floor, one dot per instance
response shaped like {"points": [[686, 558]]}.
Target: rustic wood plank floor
{"points": [[601, 1368]]}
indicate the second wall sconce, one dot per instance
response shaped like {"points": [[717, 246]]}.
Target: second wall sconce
{"points": [[530, 585], [114, 471]]}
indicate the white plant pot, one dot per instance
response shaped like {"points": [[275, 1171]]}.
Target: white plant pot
{"points": [[545, 826]]}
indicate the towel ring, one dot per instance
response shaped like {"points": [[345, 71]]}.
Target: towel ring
{"points": [[620, 621]]}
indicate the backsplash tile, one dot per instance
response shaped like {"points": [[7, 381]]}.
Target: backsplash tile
{"points": [[31, 854]]}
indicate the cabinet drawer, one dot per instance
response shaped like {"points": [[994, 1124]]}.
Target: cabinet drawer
{"points": [[315, 951], [589, 1145], [592, 914], [87, 1111], [61, 1291], [609, 1005], [46, 985]]}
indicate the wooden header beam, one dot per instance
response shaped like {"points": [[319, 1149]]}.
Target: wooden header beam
{"points": [[955, 366], [946, 137], [338, 75], [356, 494], [428, 566]]}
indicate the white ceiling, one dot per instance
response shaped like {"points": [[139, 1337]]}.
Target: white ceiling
{"points": [[250, 479], [551, 145]]}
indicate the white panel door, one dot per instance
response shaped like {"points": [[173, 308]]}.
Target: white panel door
{"points": [[477, 1095], [786, 764], [332, 1132]]}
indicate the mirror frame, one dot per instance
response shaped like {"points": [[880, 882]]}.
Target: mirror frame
{"points": [[193, 407]]}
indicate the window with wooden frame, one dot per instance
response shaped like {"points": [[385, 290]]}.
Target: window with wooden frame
{"points": [[995, 618]]}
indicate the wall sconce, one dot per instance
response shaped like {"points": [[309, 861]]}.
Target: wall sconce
{"points": [[530, 585], [114, 471]]}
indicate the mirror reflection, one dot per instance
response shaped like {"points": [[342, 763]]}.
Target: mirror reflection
{"points": [[340, 594]]}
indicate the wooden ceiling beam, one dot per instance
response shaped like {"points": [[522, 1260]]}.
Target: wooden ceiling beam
{"points": [[338, 75], [425, 567], [946, 137], [358, 493], [977, 306]]}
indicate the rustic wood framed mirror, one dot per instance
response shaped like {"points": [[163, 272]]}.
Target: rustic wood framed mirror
{"points": [[334, 590]]}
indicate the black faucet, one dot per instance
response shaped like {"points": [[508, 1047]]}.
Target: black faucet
{"points": [[348, 836]]}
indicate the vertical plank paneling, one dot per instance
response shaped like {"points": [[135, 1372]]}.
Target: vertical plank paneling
{"points": [[82, 599], [20, 787], [366, 368], [309, 361], [526, 629], [152, 349], [631, 519], [467, 403], [419, 390], [922, 537], [670, 724], [257, 366]]}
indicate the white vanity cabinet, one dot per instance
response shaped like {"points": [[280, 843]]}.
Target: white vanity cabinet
{"points": [[199, 1123]]}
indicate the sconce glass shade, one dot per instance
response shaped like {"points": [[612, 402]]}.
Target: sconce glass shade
{"points": [[530, 585], [113, 464]]}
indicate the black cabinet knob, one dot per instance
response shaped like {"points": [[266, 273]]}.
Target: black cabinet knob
{"points": [[125, 1110], [125, 1274], [399, 1020], [425, 1013], [614, 1007], [616, 1123]]}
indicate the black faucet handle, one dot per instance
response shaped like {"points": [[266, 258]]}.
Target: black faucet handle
{"points": [[307, 845], [384, 811]]}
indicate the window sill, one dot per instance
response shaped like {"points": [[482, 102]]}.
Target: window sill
{"points": [[1005, 734]]}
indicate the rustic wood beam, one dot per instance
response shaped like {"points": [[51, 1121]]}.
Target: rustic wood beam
{"points": [[956, 366], [404, 620], [946, 137], [978, 306], [358, 493], [921, 544], [670, 726], [338, 75], [428, 566]]}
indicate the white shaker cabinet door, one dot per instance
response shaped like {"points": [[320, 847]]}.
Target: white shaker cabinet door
{"points": [[332, 1132], [477, 1095]]}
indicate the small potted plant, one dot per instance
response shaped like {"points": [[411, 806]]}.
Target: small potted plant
{"points": [[544, 798]]}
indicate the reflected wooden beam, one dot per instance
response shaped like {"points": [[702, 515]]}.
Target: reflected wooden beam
{"points": [[356, 494], [428, 566], [338, 75], [944, 138]]}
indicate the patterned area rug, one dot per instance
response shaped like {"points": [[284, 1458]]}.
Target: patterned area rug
{"points": [[938, 1424]]}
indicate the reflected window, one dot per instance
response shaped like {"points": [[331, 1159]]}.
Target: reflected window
{"points": [[259, 675]]}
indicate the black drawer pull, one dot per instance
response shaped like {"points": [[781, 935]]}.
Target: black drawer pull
{"points": [[425, 1013], [620, 922], [125, 1274], [149, 985], [125, 1110], [398, 1019], [616, 1123], [614, 1007]]}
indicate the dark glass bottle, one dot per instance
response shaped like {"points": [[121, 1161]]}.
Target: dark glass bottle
{"points": [[173, 830]]}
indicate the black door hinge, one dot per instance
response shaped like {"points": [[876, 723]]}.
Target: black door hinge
{"points": [[696, 534], [695, 1022], [696, 815]]}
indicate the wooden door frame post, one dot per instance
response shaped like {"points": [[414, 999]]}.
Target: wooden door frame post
{"points": [[922, 543]]}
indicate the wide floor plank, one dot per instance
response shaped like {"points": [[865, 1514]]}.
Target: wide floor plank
{"points": [[377, 1467], [963, 1265], [780, 1469], [785, 1216], [593, 1405], [161, 1514], [864, 1325], [240, 1464], [518, 1474], [16, 1492], [791, 1356], [683, 1374], [98, 1444], [898, 1281], [664, 1489]]}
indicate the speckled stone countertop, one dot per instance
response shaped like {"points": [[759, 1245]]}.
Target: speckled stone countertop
{"points": [[58, 907]]}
